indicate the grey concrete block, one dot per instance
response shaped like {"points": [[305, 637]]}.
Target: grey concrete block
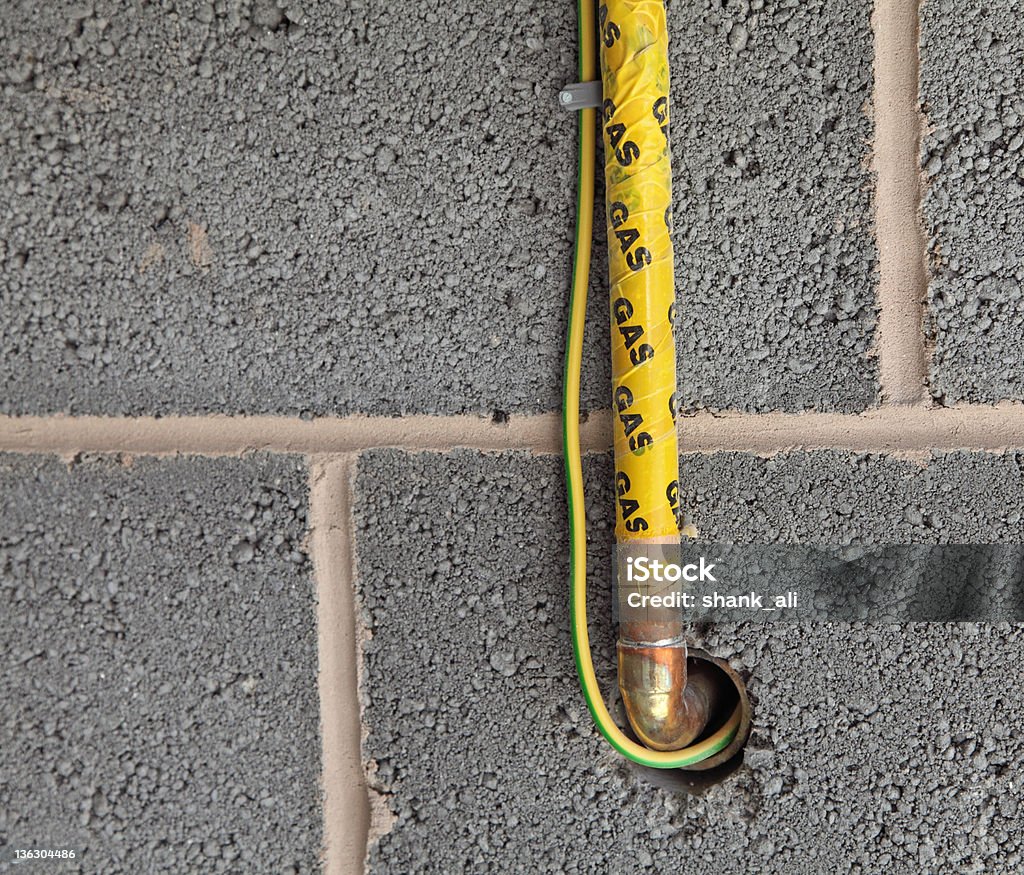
{"points": [[158, 703], [333, 209], [872, 746], [776, 262], [971, 82], [318, 210]]}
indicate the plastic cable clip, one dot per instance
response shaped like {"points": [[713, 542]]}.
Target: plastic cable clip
{"points": [[581, 95]]}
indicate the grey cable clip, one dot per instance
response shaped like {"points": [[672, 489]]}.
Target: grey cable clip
{"points": [[581, 95]]}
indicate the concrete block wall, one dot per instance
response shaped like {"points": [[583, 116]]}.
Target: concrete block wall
{"points": [[282, 530]]}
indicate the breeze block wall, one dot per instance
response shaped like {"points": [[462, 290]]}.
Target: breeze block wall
{"points": [[283, 541]]}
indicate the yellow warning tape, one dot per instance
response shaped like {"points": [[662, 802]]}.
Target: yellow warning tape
{"points": [[638, 176]]}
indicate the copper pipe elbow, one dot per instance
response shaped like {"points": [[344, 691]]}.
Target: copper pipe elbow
{"points": [[668, 706]]}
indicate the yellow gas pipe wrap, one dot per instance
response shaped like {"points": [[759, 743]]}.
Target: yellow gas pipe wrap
{"points": [[638, 175], [722, 737]]}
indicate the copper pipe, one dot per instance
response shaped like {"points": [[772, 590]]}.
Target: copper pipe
{"points": [[667, 705], [672, 696]]}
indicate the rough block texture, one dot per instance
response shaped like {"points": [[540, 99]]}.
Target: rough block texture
{"points": [[972, 77], [776, 262], [158, 703], [335, 208], [874, 748]]}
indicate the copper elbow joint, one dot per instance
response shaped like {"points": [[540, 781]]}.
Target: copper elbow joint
{"points": [[667, 705]]}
